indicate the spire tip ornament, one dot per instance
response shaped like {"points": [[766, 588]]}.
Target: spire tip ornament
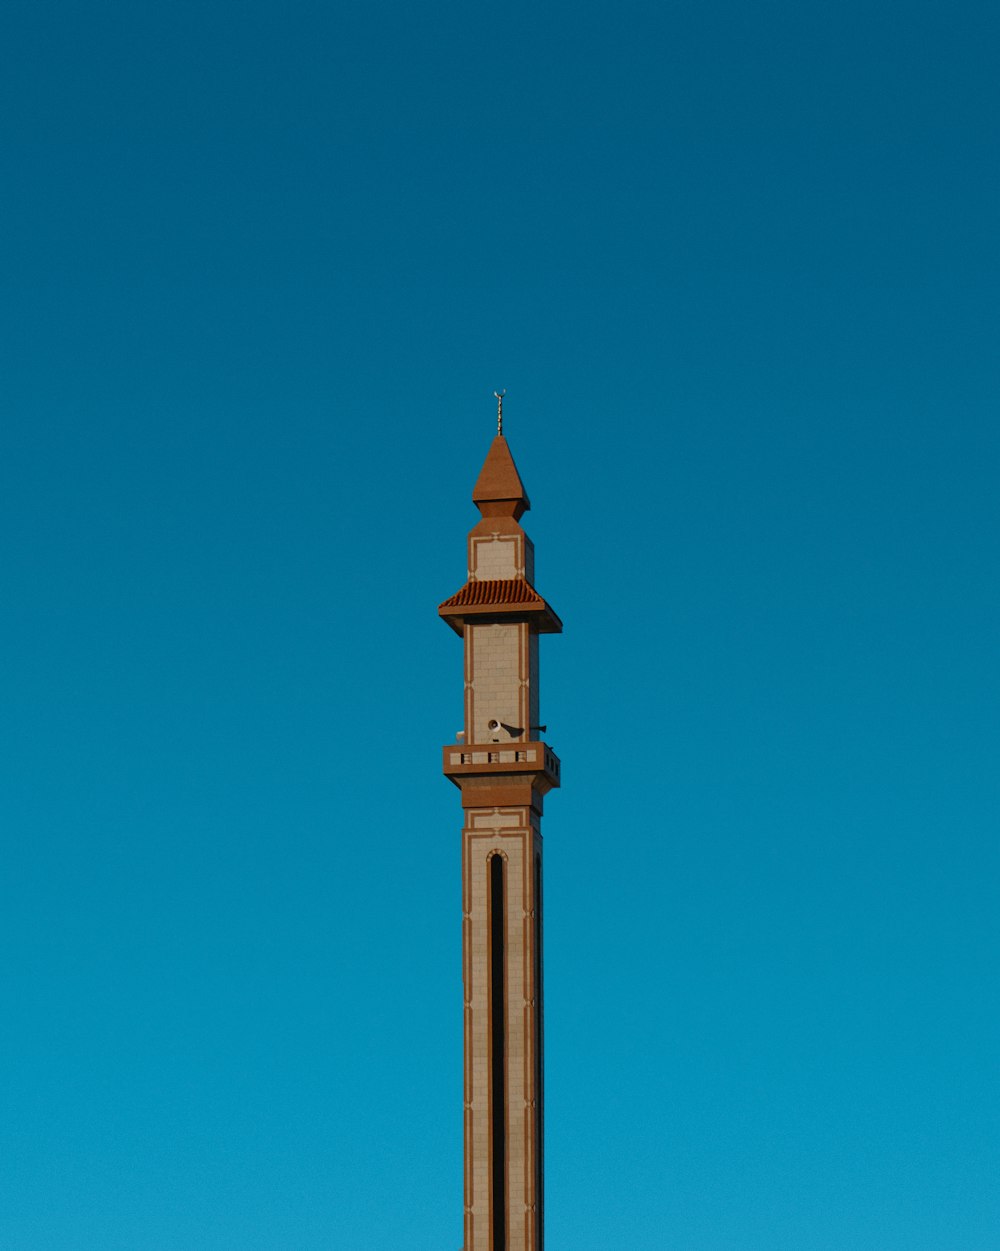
{"points": [[499, 396]]}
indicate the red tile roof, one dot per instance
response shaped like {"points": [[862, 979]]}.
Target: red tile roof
{"points": [[495, 591], [502, 597]]}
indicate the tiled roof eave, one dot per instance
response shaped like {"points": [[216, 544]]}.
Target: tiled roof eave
{"points": [[501, 597]]}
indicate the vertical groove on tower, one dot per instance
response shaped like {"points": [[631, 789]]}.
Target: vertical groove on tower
{"points": [[539, 1065], [498, 1054]]}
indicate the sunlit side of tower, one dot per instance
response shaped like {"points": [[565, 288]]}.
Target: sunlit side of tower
{"points": [[503, 769]]}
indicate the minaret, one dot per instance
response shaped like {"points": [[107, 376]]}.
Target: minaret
{"points": [[503, 769]]}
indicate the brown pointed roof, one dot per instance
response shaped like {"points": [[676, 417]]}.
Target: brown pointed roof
{"points": [[498, 491]]}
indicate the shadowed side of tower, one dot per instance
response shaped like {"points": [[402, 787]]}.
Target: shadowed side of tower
{"points": [[503, 769]]}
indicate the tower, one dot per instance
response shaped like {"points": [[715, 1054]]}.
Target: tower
{"points": [[503, 769]]}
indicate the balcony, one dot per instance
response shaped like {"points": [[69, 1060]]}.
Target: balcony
{"points": [[472, 759]]}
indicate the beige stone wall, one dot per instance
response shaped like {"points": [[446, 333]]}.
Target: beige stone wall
{"points": [[499, 548], [496, 556], [533, 700], [499, 680], [512, 833], [529, 560]]}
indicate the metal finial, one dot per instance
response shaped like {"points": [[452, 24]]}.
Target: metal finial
{"points": [[500, 395]]}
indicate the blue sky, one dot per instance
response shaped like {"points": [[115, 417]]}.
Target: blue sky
{"points": [[263, 267]]}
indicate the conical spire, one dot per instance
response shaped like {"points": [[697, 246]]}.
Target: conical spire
{"points": [[498, 491]]}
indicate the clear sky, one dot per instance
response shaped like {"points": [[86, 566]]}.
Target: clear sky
{"points": [[263, 266]]}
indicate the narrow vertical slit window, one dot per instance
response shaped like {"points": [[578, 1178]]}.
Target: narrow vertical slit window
{"points": [[539, 1065], [498, 1058]]}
